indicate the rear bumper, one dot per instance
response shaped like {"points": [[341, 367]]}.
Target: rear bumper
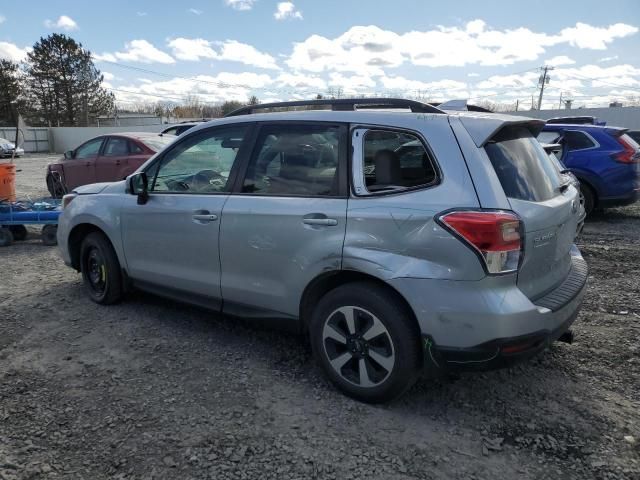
{"points": [[620, 201], [491, 323]]}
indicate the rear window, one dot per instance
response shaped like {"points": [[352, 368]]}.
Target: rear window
{"points": [[524, 169]]}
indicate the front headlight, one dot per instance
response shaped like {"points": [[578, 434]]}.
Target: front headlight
{"points": [[67, 199]]}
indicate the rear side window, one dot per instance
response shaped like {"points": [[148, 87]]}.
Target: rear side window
{"points": [[396, 161], [577, 140], [523, 168], [548, 137]]}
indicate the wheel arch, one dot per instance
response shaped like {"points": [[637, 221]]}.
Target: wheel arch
{"points": [[76, 236], [327, 281]]}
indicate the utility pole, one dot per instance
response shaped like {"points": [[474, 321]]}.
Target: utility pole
{"points": [[517, 103], [544, 79], [560, 102]]}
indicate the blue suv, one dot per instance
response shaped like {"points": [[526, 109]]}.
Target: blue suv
{"points": [[605, 159]]}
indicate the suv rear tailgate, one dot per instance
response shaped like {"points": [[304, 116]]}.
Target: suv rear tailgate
{"points": [[549, 209]]}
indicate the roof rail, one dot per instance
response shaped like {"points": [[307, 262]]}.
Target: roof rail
{"points": [[343, 104]]}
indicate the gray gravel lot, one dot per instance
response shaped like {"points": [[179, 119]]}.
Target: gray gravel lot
{"points": [[154, 389]]}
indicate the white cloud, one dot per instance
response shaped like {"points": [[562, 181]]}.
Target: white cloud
{"points": [[63, 23], [207, 88], [473, 74], [240, 4], [108, 76], [2, 19], [191, 48], [608, 59], [353, 84], [370, 49], [247, 54], [286, 10], [10, 51], [196, 48], [560, 60], [142, 14], [623, 75], [299, 81], [195, 11], [137, 51], [595, 38]]}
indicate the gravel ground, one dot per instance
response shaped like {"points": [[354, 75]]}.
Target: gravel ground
{"points": [[154, 389]]}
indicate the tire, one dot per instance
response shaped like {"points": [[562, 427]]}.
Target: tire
{"points": [[50, 235], [100, 268], [19, 232], [56, 190], [589, 198], [6, 237], [392, 358]]}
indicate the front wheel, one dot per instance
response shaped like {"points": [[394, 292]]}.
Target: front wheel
{"points": [[100, 267], [366, 342], [6, 237]]}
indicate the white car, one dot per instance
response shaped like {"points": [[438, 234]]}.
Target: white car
{"points": [[7, 148]]}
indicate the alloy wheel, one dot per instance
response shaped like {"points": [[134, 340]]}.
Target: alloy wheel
{"points": [[358, 346]]}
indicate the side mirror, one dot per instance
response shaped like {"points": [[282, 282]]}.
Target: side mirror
{"points": [[68, 155], [139, 186]]}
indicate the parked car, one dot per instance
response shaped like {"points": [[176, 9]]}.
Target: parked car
{"points": [[552, 150], [451, 248], [7, 149], [605, 159], [106, 158], [179, 129]]}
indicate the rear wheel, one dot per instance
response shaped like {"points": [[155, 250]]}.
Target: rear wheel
{"points": [[50, 235], [6, 237], [366, 342], [100, 269], [589, 198], [19, 232]]}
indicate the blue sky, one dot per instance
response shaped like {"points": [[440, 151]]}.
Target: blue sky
{"points": [[216, 50]]}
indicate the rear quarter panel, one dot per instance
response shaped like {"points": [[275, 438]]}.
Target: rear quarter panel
{"points": [[396, 235]]}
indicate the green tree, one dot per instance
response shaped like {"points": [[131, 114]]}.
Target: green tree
{"points": [[253, 100], [64, 86], [11, 92]]}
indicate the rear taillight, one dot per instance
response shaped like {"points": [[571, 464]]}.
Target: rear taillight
{"points": [[494, 235], [629, 154]]}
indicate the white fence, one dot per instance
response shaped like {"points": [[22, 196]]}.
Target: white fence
{"points": [[33, 139], [628, 117]]}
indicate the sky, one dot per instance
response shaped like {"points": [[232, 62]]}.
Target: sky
{"points": [[217, 50]]}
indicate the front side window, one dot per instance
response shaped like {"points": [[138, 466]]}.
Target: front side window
{"points": [[201, 163], [89, 149], [396, 161], [294, 160], [116, 147]]}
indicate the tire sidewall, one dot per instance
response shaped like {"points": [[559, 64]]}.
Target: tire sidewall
{"points": [[111, 291], [404, 338], [6, 237]]}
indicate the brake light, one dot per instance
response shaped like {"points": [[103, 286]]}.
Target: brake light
{"points": [[495, 235], [629, 154]]}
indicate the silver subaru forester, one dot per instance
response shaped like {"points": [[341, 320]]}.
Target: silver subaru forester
{"points": [[400, 237]]}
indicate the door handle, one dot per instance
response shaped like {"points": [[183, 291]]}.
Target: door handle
{"points": [[329, 222], [204, 217]]}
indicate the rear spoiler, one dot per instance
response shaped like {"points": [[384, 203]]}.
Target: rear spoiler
{"points": [[483, 128]]}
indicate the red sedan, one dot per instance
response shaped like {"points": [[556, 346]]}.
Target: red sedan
{"points": [[107, 158]]}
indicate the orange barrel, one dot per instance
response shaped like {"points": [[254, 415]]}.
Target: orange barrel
{"points": [[7, 182]]}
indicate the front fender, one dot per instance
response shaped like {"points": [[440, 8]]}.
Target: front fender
{"points": [[100, 211]]}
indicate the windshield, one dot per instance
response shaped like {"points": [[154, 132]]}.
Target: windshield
{"points": [[157, 143]]}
